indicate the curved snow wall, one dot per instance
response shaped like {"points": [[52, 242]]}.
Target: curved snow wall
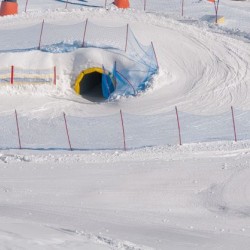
{"points": [[96, 133], [137, 63]]}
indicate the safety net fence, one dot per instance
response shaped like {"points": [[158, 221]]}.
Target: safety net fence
{"points": [[58, 38], [132, 71], [120, 131], [203, 10], [45, 35]]}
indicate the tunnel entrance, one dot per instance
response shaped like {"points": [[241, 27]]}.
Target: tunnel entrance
{"points": [[91, 85], [94, 83]]}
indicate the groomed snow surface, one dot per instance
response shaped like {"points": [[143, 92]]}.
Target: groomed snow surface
{"points": [[190, 197]]}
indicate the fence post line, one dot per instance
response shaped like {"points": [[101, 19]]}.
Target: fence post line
{"points": [[105, 5], [123, 131], [18, 130], [26, 5], [66, 6], [182, 8], [84, 34], [145, 3], [178, 123], [40, 39], [217, 9], [216, 12], [126, 43], [67, 130], [12, 75], [234, 127], [155, 54], [54, 75]]}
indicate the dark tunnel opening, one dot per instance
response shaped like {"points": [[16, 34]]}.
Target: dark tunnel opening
{"points": [[91, 85]]}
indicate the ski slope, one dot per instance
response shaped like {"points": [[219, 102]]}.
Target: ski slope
{"points": [[194, 196]]}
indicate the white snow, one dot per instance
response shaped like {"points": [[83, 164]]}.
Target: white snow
{"points": [[194, 196]]}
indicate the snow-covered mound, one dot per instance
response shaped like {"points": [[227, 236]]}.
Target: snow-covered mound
{"points": [[128, 68], [216, 76]]}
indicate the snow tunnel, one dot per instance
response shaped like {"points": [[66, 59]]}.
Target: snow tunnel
{"points": [[94, 83]]}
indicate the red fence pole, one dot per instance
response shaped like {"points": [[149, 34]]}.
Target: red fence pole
{"points": [[126, 43], [67, 131], [178, 123], [182, 8], [234, 127], [123, 132], [155, 54], [41, 34], [18, 131], [12, 75], [84, 34], [26, 5], [54, 75], [216, 7]]}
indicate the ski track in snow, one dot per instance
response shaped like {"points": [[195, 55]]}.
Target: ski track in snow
{"points": [[72, 240], [194, 196], [217, 77]]}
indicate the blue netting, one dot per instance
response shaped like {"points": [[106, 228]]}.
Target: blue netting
{"points": [[136, 77], [108, 86]]}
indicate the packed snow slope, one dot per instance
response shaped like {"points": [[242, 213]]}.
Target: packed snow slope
{"points": [[194, 196]]}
